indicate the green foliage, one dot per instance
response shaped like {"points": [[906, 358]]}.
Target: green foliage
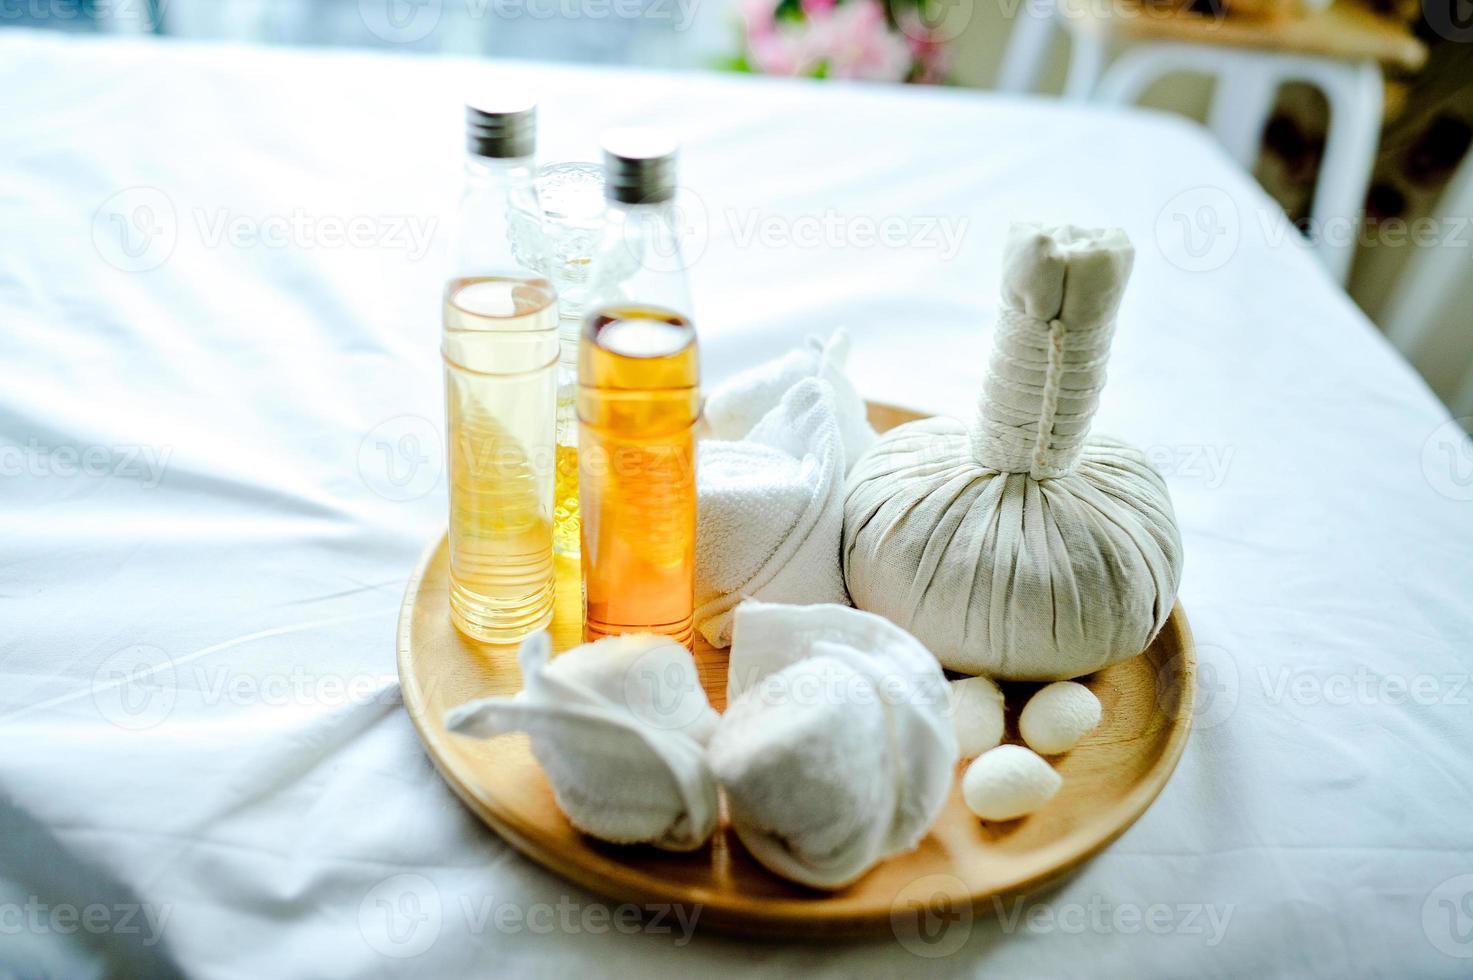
{"points": [[735, 62], [790, 10]]}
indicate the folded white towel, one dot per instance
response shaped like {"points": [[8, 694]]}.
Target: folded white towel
{"points": [[733, 409], [771, 511], [619, 727], [836, 749]]}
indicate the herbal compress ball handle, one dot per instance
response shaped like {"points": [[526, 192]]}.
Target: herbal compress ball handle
{"points": [[1061, 289]]}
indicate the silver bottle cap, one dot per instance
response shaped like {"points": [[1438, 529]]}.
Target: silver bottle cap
{"points": [[501, 126], [639, 166]]}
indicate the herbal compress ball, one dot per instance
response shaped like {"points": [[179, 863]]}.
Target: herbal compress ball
{"points": [[1020, 547]]}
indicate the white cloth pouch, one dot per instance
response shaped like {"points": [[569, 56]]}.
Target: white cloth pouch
{"points": [[619, 728], [836, 750]]}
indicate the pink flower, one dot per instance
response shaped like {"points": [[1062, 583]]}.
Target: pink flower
{"points": [[844, 38], [932, 55], [856, 42], [756, 16], [782, 51]]}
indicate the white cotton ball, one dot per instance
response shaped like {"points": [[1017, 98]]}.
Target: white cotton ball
{"points": [[1058, 716], [1008, 782], [976, 714]]}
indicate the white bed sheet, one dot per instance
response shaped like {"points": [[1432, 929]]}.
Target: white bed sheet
{"points": [[196, 475]]}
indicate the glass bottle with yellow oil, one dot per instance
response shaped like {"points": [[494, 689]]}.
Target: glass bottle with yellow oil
{"points": [[638, 402], [500, 349]]}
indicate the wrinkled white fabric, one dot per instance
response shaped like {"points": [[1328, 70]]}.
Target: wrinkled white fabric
{"points": [[836, 749], [771, 512], [273, 413], [1022, 548], [618, 726], [735, 407]]}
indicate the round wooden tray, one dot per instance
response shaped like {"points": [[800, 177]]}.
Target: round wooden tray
{"points": [[1109, 780]]}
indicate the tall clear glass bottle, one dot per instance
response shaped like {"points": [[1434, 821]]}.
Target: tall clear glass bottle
{"points": [[638, 403], [500, 348], [572, 219]]}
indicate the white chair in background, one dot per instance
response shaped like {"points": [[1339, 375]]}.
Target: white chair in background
{"points": [[1242, 101], [1339, 51], [1423, 301], [1462, 403]]}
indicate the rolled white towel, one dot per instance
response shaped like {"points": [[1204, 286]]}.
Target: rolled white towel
{"points": [[770, 517], [734, 408], [619, 727], [836, 750]]}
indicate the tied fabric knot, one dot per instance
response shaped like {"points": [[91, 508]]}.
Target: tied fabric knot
{"points": [[1044, 463]]}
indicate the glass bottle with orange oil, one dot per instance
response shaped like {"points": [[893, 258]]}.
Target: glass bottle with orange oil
{"points": [[638, 403], [500, 349]]}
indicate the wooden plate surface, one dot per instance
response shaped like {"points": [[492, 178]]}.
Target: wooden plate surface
{"points": [[1109, 780]]}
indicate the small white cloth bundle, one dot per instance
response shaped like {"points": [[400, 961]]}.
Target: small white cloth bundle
{"points": [[619, 726], [1021, 548], [733, 409], [771, 511], [836, 750]]}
